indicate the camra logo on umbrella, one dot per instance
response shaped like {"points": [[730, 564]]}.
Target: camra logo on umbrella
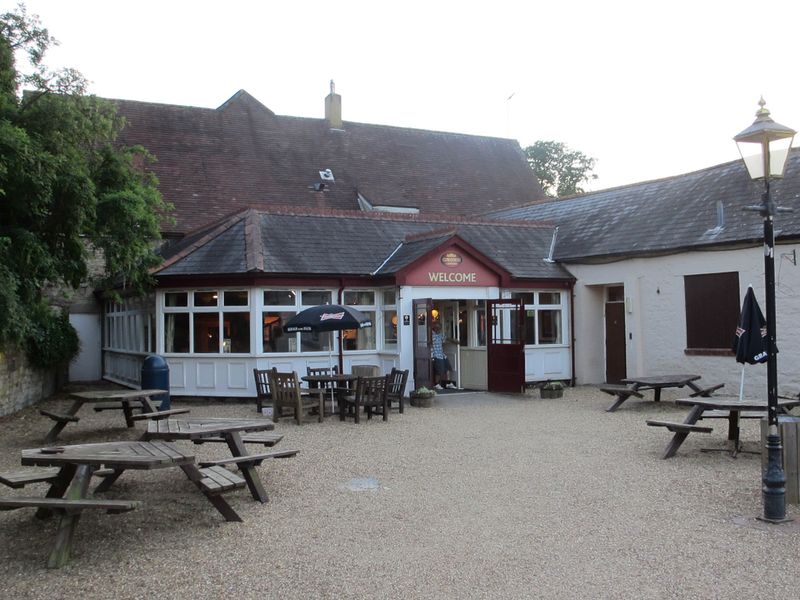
{"points": [[327, 316]]}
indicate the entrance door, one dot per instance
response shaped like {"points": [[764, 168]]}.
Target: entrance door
{"points": [[423, 365], [506, 345], [615, 336]]}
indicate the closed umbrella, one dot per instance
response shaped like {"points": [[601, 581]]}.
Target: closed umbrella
{"points": [[328, 317], [750, 343]]}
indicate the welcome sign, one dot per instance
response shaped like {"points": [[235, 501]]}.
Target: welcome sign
{"points": [[451, 267]]}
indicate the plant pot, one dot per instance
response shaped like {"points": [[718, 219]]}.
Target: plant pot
{"points": [[422, 401], [551, 393]]}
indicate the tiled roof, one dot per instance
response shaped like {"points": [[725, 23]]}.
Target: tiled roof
{"points": [[352, 243], [211, 162], [704, 208]]}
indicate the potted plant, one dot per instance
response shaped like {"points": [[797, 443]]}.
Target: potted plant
{"points": [[422, 397], [552, 389]]}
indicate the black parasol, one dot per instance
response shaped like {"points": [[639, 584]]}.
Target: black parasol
{"points": [[327, 317], [751, 344]]}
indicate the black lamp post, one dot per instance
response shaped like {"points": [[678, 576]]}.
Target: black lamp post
{"points": [[764, 147]]}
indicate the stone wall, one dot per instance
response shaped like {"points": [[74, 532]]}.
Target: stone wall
{"points": [[21, 384]]}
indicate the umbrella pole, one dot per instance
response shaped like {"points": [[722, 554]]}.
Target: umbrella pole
{"points": [[741, 386]]}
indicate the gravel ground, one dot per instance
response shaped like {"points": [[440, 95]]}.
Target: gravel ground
{"points": [[480, 496]]}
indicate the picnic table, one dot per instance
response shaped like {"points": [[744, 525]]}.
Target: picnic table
{"points": [[634, 386], [337, 383], [730, 407], [68, 495], [125, 400], [206, 430]]}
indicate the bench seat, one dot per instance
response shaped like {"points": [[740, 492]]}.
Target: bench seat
{"points": [[617, 389], [217, 479], [22, 477], [705, 392], [724, 414], [254, 459], [160, 414], [61, 418], [676, 427], [267, 439], [67, 506]]}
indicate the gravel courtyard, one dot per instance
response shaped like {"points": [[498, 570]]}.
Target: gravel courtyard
{"points": [[480, 496]]}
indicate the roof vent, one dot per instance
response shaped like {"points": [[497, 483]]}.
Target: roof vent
{"points": [[549, 258], [319, 187], [326, 175], [720, 221]]}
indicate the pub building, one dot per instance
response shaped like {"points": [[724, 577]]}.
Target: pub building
{"points": [[224, 294], [274, 214]]}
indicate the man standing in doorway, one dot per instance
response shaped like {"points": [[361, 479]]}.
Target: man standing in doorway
{"points": [[441, 364]]}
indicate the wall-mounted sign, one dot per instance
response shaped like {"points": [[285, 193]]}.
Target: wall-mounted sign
{"points": [[406, 319], [451, 259], [450, 268]]}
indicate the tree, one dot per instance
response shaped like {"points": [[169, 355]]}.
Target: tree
{"points": [[67, 192], [560, 171]]}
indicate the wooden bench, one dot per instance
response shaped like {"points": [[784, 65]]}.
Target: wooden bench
{"points": [[681, 431], [250, 459], [67, 506], [726, 414], [267, 439], [58, 417], [622, 392], [159, 414], [217, 479], [22, 477], [69, 511], [705, 392]]}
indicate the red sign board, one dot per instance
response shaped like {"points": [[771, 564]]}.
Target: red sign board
{"points": [[451, 267]]}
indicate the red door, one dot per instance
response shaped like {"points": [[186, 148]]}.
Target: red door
{"points": [[423, 365], [506, 345]]}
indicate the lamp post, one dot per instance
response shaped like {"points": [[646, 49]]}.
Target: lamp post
{"points": [[764, 147]]}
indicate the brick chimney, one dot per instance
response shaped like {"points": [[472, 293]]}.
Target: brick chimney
{"points": [[333, 108]]}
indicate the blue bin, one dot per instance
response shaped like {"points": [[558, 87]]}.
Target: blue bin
{"points": [[155, 376]]}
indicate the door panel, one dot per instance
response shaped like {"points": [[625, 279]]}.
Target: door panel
{"points": [[506, 345], [423, 365], [615, 342]]}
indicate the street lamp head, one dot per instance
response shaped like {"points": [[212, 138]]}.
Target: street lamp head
{"points": [[765, 145]]}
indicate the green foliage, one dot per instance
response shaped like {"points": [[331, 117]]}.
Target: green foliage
{"points": [[51, 340], [560, 171], [66, 190]]}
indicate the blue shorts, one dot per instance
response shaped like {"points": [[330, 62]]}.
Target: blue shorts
{"points": [[441, 366]]}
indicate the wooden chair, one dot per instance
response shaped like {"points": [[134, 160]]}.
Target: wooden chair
{"points": [[262, 387], [286, 393], [397, 387], [366, 370], [372, 394]]}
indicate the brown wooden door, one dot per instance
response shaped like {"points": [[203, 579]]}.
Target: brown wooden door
{"points": [[505, 345], [615, 342], [423, 365]]}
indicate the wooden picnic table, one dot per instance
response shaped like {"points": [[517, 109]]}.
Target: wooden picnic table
{"points": [[634, 386], [205, 429], [337, 383], [69, 489], [125, 400], [731, 404]]}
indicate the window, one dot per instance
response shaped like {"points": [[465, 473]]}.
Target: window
{"points": [[389, 312], [712, 310], [360, 339], [543, 317], [128, 325], [197, 322], [282, 305]]}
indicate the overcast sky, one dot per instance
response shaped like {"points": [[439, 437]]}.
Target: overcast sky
{"points": [[648, 89]]}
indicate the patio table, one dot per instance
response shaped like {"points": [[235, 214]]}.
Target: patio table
{"points": [[69, 491], [635, 385]]}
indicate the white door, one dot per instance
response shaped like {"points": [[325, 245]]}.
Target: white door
{"points": [[87, 365]]}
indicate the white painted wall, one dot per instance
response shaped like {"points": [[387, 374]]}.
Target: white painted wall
{"points": [[656, 318]]}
